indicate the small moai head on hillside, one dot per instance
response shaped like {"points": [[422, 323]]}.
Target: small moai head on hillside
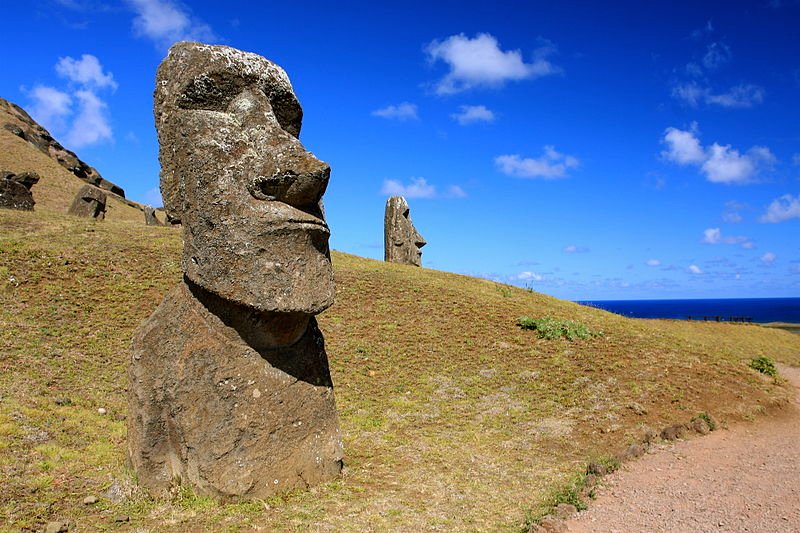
{"points": [[235, 175], [402, 243], [90, 202]]}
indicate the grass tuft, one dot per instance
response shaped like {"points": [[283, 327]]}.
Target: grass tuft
{"points": [[552, 328], [765, 365]]}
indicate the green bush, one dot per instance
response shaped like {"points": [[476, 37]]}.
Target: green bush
{"points": [[712, 425], [551, 328], [765, 365]]}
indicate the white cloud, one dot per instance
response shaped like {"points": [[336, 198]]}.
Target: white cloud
{"points": [[470, 114], [529, 276], [782, 209], [420, 188], [796, 159], [717, 54], [719, 163], [91, 125], [402, 111], [727, 165], [714, 236], [683, 147], [480, 62], [50, 106], [550, 165], [694, 269], [653, 262], [768, 258], [738, 96], [166, 21], [86, 71]]}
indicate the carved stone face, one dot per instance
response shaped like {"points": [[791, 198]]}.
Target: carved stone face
{"points": [[402, 242], [246, 191]]}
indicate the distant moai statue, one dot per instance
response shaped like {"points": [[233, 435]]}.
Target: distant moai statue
{"points": [[230, 390], [90, 202], [150, 217], [402, 243], [15, 190]]}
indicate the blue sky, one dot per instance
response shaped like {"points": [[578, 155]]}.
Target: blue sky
{"points": [[623, 151]]}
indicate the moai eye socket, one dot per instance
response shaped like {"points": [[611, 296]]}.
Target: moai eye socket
{"points": [[209, 92]]}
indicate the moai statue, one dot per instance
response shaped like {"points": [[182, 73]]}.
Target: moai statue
{"points": [[15, 190], [90, 202], [150, 217], [230, 390], [402, 243]]}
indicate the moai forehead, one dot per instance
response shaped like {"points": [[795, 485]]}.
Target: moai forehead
{"points": [[246, 191]]}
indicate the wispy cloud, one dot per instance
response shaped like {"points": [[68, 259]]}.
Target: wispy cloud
{"points": [[420, 188], [165, 22], [550, 165], [714, 236], [719, 163], [469, 114], [738, 96], [782, 209], [653, 262], [768, 258], [480, 62], [694, 269], [574, 249], [717, 54], [731, 214], [401, 111]]}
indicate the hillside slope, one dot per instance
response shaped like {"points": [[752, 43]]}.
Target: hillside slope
{"points": [[57, 187], [453, 418]]}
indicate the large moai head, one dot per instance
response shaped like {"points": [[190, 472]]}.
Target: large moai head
{"points": [[402, 243], [234, 173]]}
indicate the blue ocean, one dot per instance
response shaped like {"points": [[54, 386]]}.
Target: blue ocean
{"points": [[759, 310]]}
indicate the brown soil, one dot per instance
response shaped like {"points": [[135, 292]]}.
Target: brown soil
{"points": [[742, 479]]}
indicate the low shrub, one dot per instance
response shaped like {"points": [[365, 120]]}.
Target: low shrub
{"points": [[552, 328], [765, 365]]}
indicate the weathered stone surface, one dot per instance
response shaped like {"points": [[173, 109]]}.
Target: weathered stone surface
{"points": [[24, 127], [230, 390], [227, 125], [90, 202], [15, 190], [402, 242], [150, 217], [220, 409]]}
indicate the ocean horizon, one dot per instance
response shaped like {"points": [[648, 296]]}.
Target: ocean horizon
{"points": [[759, 310]]}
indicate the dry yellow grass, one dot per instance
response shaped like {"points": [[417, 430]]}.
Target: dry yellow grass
{"points": [[453, 417]]}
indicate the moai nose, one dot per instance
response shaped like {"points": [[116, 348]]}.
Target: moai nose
{"points": [[300, 180]]}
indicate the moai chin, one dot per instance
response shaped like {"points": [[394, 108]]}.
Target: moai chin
{"points": [[402, 243], [230, 388]]}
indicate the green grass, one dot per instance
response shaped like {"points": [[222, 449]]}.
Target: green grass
{"points": [[452, 416], [765, 365], [552, 328]]}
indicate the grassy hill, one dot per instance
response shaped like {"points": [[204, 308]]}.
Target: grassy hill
{"points": [[453, 417]]}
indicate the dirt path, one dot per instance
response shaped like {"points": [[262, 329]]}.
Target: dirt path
{"points": [[743, 479]]}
